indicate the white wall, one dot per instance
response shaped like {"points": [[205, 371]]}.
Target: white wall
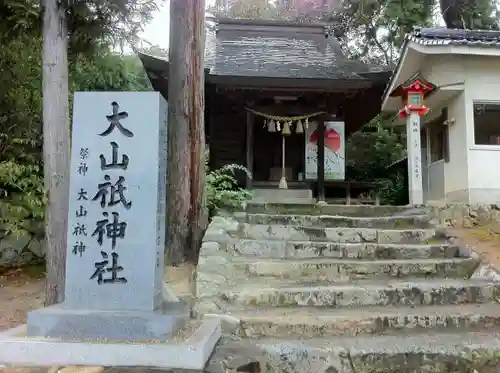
{"points": [[483, 84], [472, 174], [436, 179], [456, 172], [449, 179]]}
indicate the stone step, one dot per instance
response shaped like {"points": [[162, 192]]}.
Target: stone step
{"points": [[281, 195], [462, 352], [309, 322], [328, 221], [255, 207], [270, 292], [314, 249], [343, 270], [341, 235]]}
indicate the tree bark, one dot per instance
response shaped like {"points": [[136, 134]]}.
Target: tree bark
{"points": [[179, 152], [198, 214], [56, 145]]}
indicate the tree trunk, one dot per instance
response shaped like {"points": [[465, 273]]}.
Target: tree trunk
{"points": [[198, 215], [56, 145], [179, 152]]}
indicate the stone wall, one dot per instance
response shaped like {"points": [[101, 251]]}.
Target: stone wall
{"points": [[465, 216], [18, 250]]}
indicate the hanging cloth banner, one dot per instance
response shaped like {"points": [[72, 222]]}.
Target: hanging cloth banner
{"points": [[284, 124], [334, 151]]}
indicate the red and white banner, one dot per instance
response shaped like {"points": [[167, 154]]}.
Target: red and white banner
{"points": [[334, 151]]}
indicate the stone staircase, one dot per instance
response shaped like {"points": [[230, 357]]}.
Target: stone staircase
{"points": [[351, 289]]}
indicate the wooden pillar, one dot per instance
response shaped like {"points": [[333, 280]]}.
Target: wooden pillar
{"points": [[56, 146], [249, 147], [186, 133], [321, 159]]}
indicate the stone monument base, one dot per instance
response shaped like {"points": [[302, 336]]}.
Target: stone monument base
{"points": [[61, 321], [189, 349]]}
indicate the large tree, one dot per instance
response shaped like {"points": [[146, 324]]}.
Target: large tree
{"points": [[470, 14]]}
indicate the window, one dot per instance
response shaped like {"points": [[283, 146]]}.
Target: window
{"points": [[438, 135], [486, 123]]}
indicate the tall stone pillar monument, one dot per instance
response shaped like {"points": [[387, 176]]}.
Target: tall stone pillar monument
{"points": [[413, 93]]}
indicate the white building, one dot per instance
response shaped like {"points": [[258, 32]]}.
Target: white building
{"points": [[460, 136]]}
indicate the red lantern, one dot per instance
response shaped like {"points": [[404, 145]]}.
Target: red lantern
{"points": [[413, 95]]}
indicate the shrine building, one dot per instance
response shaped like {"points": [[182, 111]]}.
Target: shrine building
{"points": [[456, 157], [268, 86]]}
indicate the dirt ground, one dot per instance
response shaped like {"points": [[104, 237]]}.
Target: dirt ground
{"points": [[484, 239], [23, 290]]}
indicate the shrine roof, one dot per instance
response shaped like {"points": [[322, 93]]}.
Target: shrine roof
{"points": [[279, 50], [276, 49], [443, 36]]}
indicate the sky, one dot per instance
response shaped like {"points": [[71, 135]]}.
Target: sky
{"points": [[157, 32]]}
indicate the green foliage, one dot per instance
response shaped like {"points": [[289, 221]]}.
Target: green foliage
{"points": [[22, 197], [368, 156], [21, 179], [89, 22], [470, 14], [222, 190], [246, 9], [93, 25], [394, 190]]}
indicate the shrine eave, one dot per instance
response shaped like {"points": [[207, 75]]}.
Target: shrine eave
{"points": [[436, 41], [157, 69]]}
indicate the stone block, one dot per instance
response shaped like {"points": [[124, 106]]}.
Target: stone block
{"points": [[311, 249], [117, 325], [118, 179], [396, 293], [306, 323], [411, 236], [188, 349], [327, 221], [344, 270], [261, 248]]}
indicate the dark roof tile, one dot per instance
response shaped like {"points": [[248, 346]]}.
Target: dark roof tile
{"points": [[440, 36], [279, 50], [444, 36]]}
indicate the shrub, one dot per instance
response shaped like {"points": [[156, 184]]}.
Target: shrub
{"points": [[22, 198], [222, 190]]}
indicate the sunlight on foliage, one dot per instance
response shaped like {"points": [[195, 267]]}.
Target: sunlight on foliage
{"points": [[222, 190], [22, 196]]}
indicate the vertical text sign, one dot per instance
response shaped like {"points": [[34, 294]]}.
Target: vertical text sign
{"points": [[116, 219], [414, 159]]}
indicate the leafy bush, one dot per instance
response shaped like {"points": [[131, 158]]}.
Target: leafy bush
{"points": [[222, 190], [394, 190], [368, 156]]}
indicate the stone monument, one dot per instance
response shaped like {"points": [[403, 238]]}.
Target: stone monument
{"points": [[116, 229]]}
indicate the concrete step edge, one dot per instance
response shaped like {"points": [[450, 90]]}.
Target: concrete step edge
{"points": [[436, 353], [377, 230], [339, 217], [408, 283], [313, 314], [349, 244], [349, 261], [445, 343]]}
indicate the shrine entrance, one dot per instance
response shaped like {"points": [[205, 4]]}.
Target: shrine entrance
{"points": [[259, 90], [279, 150]]}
